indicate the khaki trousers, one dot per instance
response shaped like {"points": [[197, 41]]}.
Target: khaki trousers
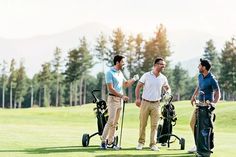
{"points": [[114, 105], [153, 110], [193, 120]]}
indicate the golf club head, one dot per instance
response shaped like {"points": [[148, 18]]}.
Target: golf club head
{"points": [[202, 93]]}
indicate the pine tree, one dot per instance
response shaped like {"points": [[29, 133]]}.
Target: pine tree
{"points": [[156, 47], [211, 54], [228, 70], [46, 81], [102, 55], [3, 80], [130, 55], [86, 62], [139, 54], [57, 70], [118, 45], [12, 80], [79, 62], [20, 90], [179, 80]]}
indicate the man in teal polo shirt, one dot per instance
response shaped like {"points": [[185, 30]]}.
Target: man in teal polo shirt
{"points": [[115, 81]]}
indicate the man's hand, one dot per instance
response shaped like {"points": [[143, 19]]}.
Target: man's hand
{"points": [[138, 102], [166, 96], [125, 98], [135, 77], [193, 100], [211, 106]]}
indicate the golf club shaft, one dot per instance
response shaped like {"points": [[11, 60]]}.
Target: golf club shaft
{"points": [[123, 111]]}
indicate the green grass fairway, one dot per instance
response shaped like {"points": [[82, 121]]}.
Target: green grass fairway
{"points": [[57, 132]]}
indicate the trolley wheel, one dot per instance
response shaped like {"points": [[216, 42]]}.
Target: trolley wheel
{"points": [[85, 140], [159, 130], [182, 143]]}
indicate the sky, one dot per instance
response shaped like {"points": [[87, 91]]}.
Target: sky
{"points": [[24, 19], [27, 18]]}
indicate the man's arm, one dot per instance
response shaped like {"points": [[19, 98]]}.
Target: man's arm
{"points": [[128, 83], [113, 91], [167, 89], [137, 93], [131, 81], [217, 96], [195, 93]]}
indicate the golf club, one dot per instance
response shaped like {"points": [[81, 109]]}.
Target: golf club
{"points": [[121, 129]]}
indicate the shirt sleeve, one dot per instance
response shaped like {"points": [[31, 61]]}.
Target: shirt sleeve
{"points": [[143, 79], [108, 77], [165, 82], [215, 85], [124, 79]]}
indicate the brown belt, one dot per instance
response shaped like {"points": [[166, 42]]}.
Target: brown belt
{"points": [[112, 95], [151, 101]]}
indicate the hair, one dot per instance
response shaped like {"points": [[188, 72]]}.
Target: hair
{"points": [[158, 59], [206, 63], [118, 58]]}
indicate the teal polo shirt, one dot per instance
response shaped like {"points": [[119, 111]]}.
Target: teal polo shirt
{"points": [[116, 78]]}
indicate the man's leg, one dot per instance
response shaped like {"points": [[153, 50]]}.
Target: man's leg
{"points": [[193, 121], [111, 117], [143, 118], [155, 116], [111, 134], [192, 125]]}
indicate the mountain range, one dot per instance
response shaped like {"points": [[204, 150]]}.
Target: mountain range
{"points": [[187, 46]]}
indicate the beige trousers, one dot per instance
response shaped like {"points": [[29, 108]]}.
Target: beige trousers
{"points": [[193, 120], [153, 110], [114, 105]]}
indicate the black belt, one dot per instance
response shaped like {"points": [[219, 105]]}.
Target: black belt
{"points": [[151, 101], [112, 95]]}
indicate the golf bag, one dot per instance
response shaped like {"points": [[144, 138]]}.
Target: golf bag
{"points": [[102, 117], [168, 120], [203, 131]]}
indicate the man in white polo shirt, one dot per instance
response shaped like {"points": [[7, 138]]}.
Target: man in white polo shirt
{"points": [[152, 83]]}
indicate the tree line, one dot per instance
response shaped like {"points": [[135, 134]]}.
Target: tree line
{"points": [[70, 84]]}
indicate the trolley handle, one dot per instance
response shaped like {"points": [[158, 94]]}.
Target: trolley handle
{"points": [[171, 98], [95, 97]]}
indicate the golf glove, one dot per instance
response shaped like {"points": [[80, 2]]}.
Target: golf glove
{"points": [[135, 77], [167, 95]]}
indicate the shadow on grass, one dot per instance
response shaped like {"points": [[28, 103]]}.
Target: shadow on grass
{"points": [[62, 149], [66, 149], [95, 148]]}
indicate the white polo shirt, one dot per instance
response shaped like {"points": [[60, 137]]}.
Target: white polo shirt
{"points": [[153, 85]]}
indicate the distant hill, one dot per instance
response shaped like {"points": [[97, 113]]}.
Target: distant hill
{"points": [[187, 45], [39, 49], [191, 65]]}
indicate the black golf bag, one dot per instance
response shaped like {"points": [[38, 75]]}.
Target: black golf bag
{"points": [[168, 120], [102, 117], [203, 131]]}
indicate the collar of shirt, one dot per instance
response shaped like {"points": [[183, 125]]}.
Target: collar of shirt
{"points": [[151, 72], [208, 75], [114, 69]]}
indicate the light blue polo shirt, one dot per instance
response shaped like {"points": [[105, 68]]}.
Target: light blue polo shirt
{"points": [[117, 79], [208, 85]]}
